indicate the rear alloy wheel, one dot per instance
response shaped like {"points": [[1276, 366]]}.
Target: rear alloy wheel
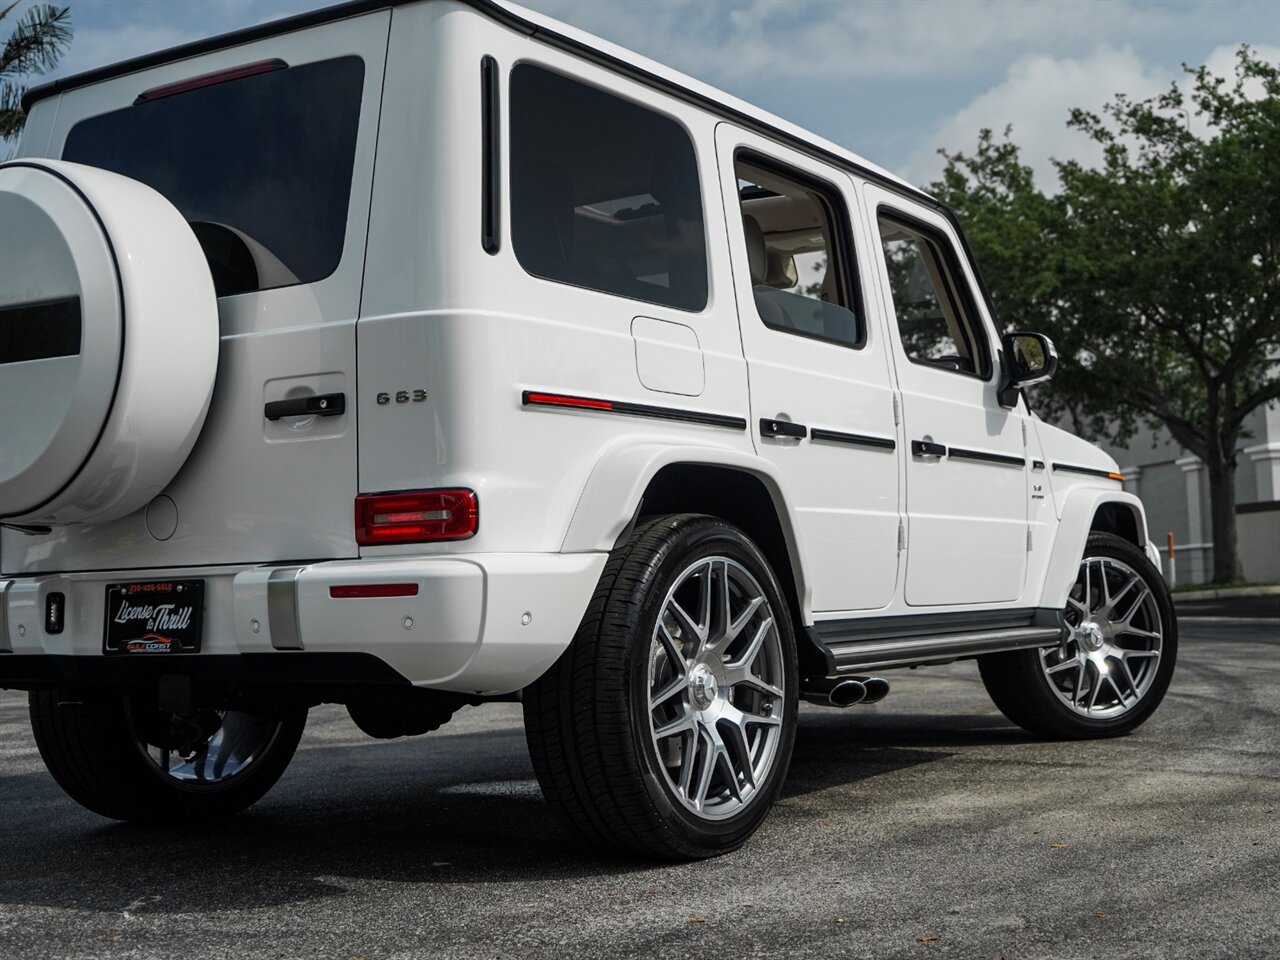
{"points": [[120, 757], [1116, 657], [666, 728], [715, 689]]}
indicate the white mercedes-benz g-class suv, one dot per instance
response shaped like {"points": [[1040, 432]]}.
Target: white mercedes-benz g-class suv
{"points": [[410, 354]]}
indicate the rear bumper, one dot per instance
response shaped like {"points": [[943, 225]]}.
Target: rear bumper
{"points": [[478, 623]]}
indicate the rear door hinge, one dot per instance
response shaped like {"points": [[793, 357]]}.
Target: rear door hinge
{"points": [[1028, 539], [897, 411], [902, 536]]}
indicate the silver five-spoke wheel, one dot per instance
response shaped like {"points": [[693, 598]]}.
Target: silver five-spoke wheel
{"points": [[715, 687], [1110, 654]]}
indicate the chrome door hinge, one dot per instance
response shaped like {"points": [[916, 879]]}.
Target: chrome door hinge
{"points": [[1024, 433], [902, 537], [897, 412], [1028, 539]]}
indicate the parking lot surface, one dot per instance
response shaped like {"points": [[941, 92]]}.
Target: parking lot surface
{"points": [[924, 826]]}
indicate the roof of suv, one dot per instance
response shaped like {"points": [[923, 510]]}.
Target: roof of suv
{"points": [[526, 21]]}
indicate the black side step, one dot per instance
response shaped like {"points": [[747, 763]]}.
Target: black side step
{"points": [[880, 643]]}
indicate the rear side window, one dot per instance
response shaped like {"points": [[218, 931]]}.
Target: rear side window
{"points": [[800, 261], [260, 167], [604, 193]]}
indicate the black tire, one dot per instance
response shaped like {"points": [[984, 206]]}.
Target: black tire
{"points": [[1018, 683], [587, 720], [94, 745]]}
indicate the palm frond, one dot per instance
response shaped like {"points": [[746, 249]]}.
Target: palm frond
{"points": [[37, 41], [11, 115]]}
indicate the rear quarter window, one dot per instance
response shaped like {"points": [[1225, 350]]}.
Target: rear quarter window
{"points": [[604, 193], [259, 166]]}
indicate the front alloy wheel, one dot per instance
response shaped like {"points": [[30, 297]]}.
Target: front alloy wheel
{"points": [[1116, 657], [1110, 657]]}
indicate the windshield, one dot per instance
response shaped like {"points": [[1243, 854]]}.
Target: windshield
{"points": [[260, 166]]}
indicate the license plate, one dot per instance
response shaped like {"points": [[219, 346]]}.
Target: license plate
{"points": [[154, 617]]}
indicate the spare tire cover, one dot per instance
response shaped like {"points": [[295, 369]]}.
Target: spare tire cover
{"points": [[108, 343]]}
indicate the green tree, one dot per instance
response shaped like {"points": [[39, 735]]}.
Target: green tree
{"points": [[1156, 273], [39, 39]]}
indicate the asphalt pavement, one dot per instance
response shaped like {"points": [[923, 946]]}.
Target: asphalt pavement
{"points": [[924, 826]]}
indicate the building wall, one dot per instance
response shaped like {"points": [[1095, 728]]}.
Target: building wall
{"points": [[1174, 487], [1260, 542]]}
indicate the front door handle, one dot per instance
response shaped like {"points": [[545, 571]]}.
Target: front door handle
{"points": [[783, 428], [927, 448]]}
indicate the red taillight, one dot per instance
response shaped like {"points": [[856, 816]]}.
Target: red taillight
{"points": [[361, 591], [416, 516], [210, 79]]}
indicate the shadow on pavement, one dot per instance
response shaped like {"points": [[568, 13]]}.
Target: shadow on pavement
{"points": [[427, 811]]}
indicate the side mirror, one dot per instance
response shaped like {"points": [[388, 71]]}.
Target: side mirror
{"points": [[1028, 358]]}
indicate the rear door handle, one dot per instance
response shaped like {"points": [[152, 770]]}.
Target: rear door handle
{"points": [[324, 405], [783, 428], [927, 448]]}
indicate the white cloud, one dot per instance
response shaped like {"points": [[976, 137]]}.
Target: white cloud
{"points": [[1036, 97], [735, 42]]}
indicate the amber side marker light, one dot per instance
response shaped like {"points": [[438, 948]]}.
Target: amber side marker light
{"points": [[416, 516], [1116, 476]]}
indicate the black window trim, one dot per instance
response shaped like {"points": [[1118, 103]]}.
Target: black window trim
{"points": [[562, 71], [842, 241], [962, 300], [490, 156]]}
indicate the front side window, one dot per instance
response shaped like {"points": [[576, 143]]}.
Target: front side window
{"points": [[260, 166], [604, 193], [797, 253], [936, 326]]}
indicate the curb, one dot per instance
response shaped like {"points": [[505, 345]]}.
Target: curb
{"points": [[1225, 593]]}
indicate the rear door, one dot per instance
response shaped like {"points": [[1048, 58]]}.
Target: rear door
{"points": [[267, 150], [966, 460], [821, 402]]}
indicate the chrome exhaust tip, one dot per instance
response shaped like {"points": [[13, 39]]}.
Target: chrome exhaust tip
{"points": [[836, 693], [877, 689]]}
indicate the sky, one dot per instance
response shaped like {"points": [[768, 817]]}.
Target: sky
{"points": [[893, 80]]}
